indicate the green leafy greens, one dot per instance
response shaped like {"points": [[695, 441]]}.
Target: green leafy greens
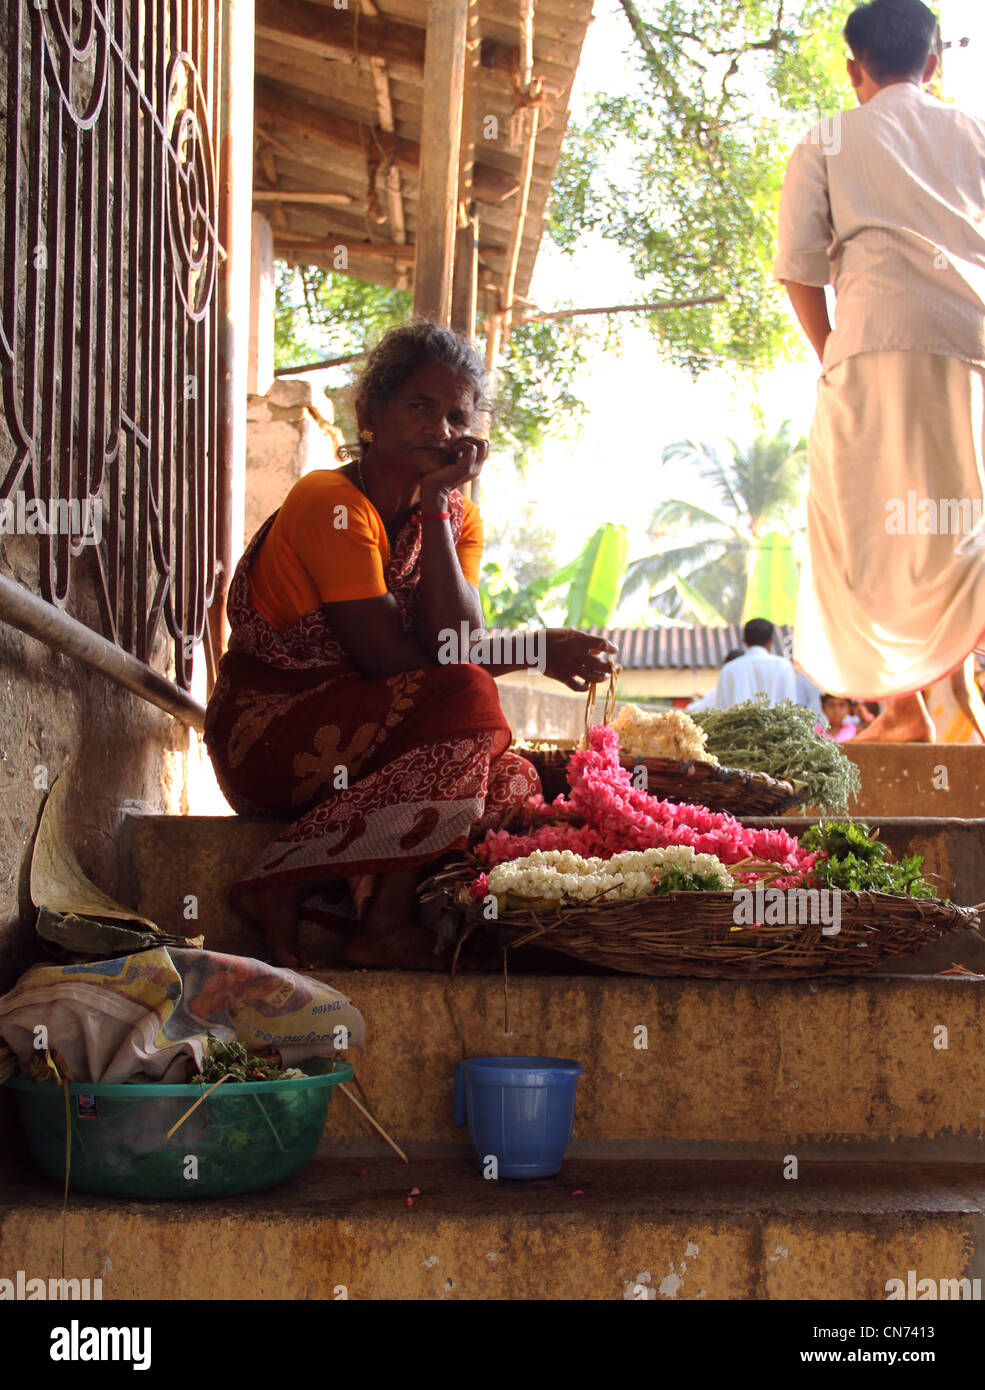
{"points": [[780, 741], [858, 861]]}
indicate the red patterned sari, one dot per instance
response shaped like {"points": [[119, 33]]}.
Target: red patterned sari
{"points": [[376, 775]]}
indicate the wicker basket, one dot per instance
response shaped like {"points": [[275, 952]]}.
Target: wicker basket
{"points": [[694, 934], [732, 789]]}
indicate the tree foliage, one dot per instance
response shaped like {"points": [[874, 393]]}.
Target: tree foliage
{"points": [[703, 551], [320, 314], [684, 170]]}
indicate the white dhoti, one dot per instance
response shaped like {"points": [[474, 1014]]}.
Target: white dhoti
{"points": [[892, 593]]}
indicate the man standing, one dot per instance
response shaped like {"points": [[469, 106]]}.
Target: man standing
{"points": [[756, 671], [887, 203]]}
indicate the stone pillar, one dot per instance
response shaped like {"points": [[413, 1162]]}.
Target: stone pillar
{"points": [[289, 432]]}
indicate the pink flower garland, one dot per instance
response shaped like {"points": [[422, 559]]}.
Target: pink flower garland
{"points": [[619, 817]]}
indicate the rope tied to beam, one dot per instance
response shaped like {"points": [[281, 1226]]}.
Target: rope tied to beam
{"points": [[532, 98]]}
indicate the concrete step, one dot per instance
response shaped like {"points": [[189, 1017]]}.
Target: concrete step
{"points": [[167, 859], [919, 779], [600, 1230], [748, 1069]]}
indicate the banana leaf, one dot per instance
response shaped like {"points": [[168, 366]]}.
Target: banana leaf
{"points": [[595, 588], [771, 587], [703, 609]]}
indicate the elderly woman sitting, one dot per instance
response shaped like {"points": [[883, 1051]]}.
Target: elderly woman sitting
{"points": [[333, 705]]}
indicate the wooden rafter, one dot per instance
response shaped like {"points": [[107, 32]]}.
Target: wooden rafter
{"points": [[326, 32], [275, 108], [385, 119]]}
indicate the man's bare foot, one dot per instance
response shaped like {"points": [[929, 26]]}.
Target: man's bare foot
{"points": [[902, 721], [275, 911]]}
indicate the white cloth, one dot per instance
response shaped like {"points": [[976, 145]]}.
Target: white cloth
{"points": [[887, 203], [756, 671], [886, 605]]}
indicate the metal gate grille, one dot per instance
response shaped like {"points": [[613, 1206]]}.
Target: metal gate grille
{"points": [[109, 322]]}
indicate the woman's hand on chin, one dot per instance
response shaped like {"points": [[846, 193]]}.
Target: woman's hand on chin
{"points": [[578, 660], [467, 455]]}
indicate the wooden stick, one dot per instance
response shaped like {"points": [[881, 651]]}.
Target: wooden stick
{"points": [[555, 314], [378, 1127], [204, 1096]]}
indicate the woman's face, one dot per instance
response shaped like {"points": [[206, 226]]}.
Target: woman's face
{"points": [[417, 426]]}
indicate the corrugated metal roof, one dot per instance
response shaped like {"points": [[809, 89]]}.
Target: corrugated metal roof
{"points": [[680, 648]]}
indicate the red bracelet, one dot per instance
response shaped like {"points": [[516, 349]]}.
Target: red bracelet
{"points": [[436, 516]]}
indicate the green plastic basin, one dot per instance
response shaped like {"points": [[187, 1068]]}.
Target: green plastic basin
{"points": [[246, 1136]]}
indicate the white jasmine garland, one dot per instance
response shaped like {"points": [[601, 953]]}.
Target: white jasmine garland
{"points": [[560, 875]]}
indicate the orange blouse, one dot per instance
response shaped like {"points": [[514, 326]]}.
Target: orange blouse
{"points": [[328, 544]]}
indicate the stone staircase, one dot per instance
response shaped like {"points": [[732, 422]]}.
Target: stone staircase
{"points": [[770, 1140]]}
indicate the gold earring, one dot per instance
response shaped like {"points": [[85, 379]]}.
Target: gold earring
{"points": [[366, 435]]}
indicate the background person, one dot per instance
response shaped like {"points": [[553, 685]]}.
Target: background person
{"points": [[838, 723], [755, 671], [887, 203]]}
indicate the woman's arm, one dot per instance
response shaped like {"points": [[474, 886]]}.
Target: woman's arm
{"points": [[810, 304], [444, 598], [372, 633]]}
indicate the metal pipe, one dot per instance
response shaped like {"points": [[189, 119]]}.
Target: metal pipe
{"points": [[28, 613], [235, 186]]}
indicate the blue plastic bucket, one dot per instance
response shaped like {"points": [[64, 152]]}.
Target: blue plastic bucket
{"points": [[520, 1111]]}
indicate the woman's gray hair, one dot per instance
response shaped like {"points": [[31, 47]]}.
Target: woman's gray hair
{"points": [[419, 343]]}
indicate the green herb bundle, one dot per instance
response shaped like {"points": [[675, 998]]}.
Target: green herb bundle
{"points": [[232, 1059], [858, 861], [780, 741]]}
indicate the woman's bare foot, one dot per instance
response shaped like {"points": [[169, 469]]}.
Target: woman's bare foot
{"points": [[393, 946], [905, 720], [275, 911], [390, 936]]}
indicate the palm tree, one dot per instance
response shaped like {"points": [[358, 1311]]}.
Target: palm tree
{"points": [[705, 550]]}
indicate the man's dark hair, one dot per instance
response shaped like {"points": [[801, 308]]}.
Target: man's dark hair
{"points": [[758, 632], [892, 39]]}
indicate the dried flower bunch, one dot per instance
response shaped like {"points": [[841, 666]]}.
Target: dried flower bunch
{"points": [[665, 733]]}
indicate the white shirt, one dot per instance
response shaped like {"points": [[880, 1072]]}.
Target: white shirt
{"points": [[887, 203], [755, 671]]}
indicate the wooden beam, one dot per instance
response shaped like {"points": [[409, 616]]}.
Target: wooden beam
{"points": [[269, 165], [394, 190], [529, 120], [466, 284], [275, 108], [441, 138], [326, 32], [373, 250], [655, 306], [296, 195]]}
